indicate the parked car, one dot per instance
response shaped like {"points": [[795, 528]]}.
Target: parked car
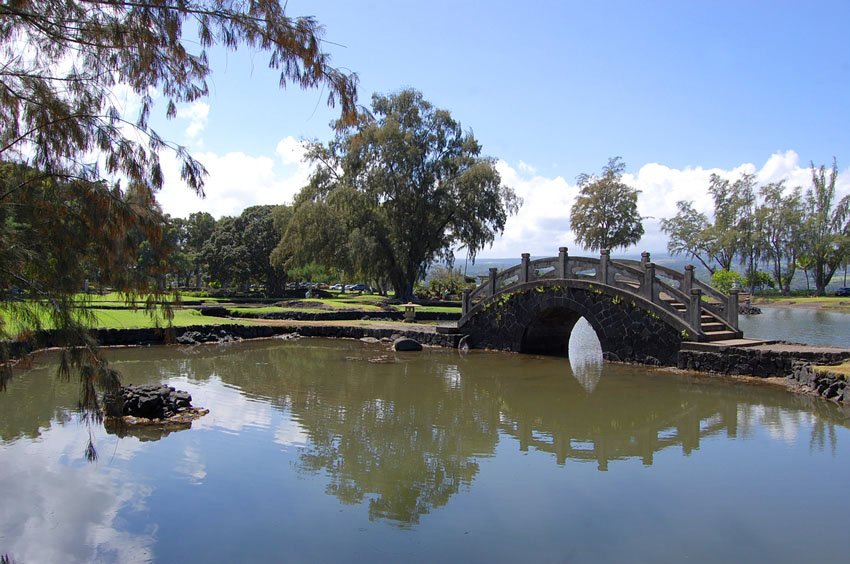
{"points": [[336, 287], [843, 292], [357, 288]]}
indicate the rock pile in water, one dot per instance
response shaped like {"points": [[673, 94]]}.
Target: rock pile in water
{"points": [[154, 401]]}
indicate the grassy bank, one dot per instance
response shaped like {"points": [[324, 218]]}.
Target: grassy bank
{"points": [[111, 311], [832, 303]]}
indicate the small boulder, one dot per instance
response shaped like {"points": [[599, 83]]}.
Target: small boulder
{"points": [[404, 344]]}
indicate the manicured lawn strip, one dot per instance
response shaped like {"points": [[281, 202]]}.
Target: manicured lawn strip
{"points": [[115, 299], [432, 309], [131, 319], [362, 298], [336, 303], [790, 300], [834, 303], [275, 309]]}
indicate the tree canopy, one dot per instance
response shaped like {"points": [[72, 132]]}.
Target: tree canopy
{"points": [[77, 171], [605, 215], [239, 248], [64, 59], [827, 226], [400, 189], [772, 224], [715, 243]]}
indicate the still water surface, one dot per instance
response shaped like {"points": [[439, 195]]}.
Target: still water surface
{"points": [[800, 325], [328, 451]]}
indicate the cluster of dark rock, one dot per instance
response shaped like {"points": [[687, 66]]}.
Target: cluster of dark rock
{"points": [[826, 384], [219, 335], [748, 309], [154, 401]]}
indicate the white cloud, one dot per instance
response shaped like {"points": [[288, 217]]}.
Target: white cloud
{"points": [[542, 224], [197, 113], [526, 168], [290, 434], [237, 180], [56, 511]]}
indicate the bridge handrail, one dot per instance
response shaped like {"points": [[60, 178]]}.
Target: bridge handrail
{"points": [[707, 289], [606, 271]]}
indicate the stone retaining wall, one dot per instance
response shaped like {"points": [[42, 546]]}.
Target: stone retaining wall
{"points": [[828, 385], [224, 333], [330, 315], [539, 317], [752, 361]]}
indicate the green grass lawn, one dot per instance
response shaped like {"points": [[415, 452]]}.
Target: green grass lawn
{"points": [[129, 319], [123, 319], [834, 303], [274, 309], [117, 315]]}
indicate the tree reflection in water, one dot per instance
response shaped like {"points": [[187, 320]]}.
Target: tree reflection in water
{"points": [[409, 432]]}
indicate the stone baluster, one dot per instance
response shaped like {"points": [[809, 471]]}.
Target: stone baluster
{"points": [[491, 286], [732, 309], [695, 309], [649, 281], [604, 258], [523, 270], [465, 301], [644, 259], [688, 281], [563, 263]]}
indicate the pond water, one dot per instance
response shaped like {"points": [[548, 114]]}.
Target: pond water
{"points": [[798, 325], [324, 451]]}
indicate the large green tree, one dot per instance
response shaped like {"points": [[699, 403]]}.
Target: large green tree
{"points": [[198, 227], [238, 251], [779, 221], [67, 142], [730, 234], [827, 226], [402, 188], [605, 215]]}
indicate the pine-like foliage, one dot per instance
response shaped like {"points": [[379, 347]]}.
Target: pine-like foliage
{"points": [[78, 178], [605, 214], [399, 190]]}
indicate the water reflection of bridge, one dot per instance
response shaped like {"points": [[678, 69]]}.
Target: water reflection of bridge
{"points": [[405, 437], [685, 429]]}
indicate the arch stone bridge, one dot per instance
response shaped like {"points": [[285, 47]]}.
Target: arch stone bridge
{"points": [[640, 311]]}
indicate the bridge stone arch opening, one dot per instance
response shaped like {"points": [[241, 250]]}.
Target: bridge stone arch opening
{"points": [[550, 332], [639, 312]]}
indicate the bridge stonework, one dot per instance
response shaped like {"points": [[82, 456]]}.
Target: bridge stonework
{"points": [[538, 317]]}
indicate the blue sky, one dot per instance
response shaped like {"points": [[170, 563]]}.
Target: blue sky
{"points": [[553, 89]]}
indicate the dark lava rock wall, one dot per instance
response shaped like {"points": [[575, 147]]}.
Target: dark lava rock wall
{"points": [[539, 319]]}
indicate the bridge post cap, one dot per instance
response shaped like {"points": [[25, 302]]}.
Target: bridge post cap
{"points": [[493, 269], [645, 254], [689, 267], [562, 249], [526, 255], [604, 252], [695, 291], [735, 291]]}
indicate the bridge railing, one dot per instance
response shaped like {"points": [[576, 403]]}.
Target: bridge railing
{"points": [[664, 287]]}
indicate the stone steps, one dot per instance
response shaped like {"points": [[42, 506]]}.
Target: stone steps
{"points": [[713, 328]]}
